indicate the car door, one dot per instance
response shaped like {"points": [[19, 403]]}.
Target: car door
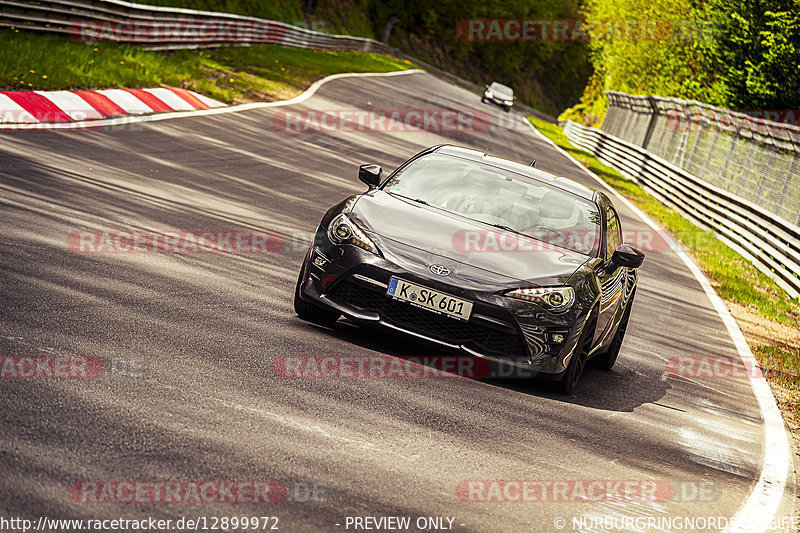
{"points": [[612, 277]]}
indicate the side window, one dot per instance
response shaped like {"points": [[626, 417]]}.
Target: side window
{"points": [[613, 237]]}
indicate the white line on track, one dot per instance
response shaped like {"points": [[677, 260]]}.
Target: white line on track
{"points": [[761, 507]]}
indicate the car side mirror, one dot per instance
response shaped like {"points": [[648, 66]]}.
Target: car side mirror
{"points": [[627, 256], [370, 174]]}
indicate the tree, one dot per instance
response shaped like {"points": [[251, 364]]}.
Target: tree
{"points": [[753, 47]]}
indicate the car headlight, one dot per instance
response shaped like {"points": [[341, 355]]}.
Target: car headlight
{"points": [[489, 94], [554, 298], [508, 102], [342, 230]]}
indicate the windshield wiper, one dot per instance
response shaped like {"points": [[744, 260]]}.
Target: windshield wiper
{"points": [[530, 236], [419, 201], [507, 228]]}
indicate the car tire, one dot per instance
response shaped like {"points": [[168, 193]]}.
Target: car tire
{"points": [[312, 313], [507, 109], [607, 359], [574, 371]]}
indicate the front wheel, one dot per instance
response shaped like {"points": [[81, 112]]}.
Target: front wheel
{"points": [[310, 312]]}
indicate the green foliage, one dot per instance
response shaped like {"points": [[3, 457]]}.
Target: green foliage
{"points": [[593, 104], [285, 10], [661, 53], [753, 46], [332, 16], [547, 74], [350, 17], [739, 54], [642, 61]]}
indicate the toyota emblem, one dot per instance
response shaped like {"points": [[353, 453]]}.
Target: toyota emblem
{"points": [[440, 270]]}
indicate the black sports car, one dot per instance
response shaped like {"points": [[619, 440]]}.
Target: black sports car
{"points": [[480, 254]]}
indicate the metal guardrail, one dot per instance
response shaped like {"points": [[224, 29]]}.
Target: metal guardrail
{"points": [[168, 28], [742, 152], [770, 242]]}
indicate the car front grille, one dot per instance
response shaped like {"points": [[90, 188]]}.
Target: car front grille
{"points": [[484, 339], [352, 294]]}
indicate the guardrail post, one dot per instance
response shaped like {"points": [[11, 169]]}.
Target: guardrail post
{"points": [[650, 126], [711, 151], [745, 174]]}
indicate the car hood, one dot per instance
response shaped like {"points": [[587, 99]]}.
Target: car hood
{"points": [[422, 234]]}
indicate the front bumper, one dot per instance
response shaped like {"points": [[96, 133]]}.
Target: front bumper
{"points": [[497, 101], [512, 332]]}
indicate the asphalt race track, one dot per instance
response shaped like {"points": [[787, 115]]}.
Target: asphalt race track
{"points": [[204, 330]]}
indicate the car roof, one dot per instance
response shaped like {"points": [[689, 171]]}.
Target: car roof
{"points": [[498, 84], [560, 182]]}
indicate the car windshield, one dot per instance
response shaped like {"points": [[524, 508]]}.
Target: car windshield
{"points": [[501, 90], [501, 198]]}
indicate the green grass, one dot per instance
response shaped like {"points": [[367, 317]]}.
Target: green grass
{"points": [[782, 366], [33, 61]]}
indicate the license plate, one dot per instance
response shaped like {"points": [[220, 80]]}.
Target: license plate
{"points": [[429, 299]]}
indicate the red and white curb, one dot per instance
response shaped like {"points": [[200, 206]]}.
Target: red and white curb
{"points": [[31, 109]]}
